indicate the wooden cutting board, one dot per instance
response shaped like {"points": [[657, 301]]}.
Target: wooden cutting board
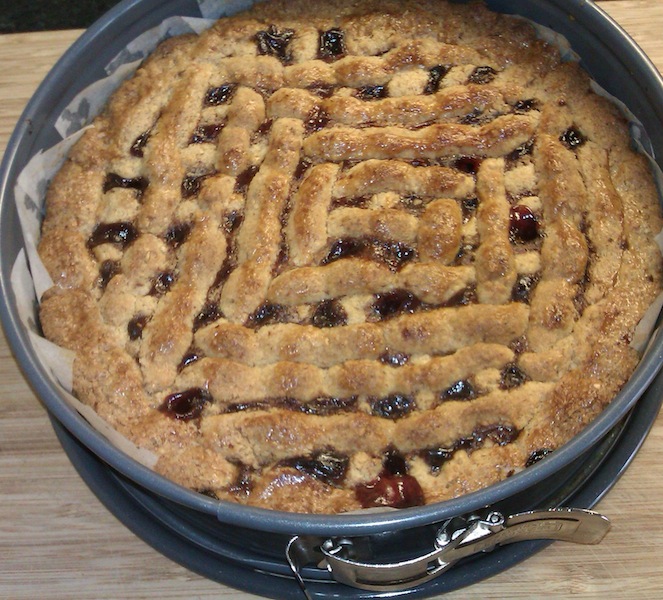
{"points": [[58, 541]]}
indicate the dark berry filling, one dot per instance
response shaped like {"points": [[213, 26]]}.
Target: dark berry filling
{"points": [[177, 234], [204, 134], [107, 270], [245, 178], [321, 406], [393, 254], [392, 487], [523, 226], [136, 326], [435, 76], [497, 434], [191, 184], [482, 75], [219, 95], [302, 166], [469, 207], [273, 42], [267, 314], [394, 303], [394, 359], [463, 298], [522, 289], [324, 90], [332, 44], [572, 138], [372, 92], [344, 248], [392, 407], [537, 455], [162, 283], [511, 377], [186, 405], [523, 106], [138, 147], [209, 313], [329, 313], [522, 150], [325, 466], [120, 234], [461, 390], [189, 358], [113, 180], [316, 120], [468, 164]]}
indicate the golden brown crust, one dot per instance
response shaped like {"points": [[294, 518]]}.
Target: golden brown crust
{"points": [[327, 249]]}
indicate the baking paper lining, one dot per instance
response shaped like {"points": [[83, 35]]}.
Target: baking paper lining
{"points": [[29, 278]]}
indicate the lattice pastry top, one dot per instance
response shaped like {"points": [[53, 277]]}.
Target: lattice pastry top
{"points": [[338, 254]]}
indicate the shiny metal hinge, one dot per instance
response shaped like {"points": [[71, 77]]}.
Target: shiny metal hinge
{"points": [[458, 538]]}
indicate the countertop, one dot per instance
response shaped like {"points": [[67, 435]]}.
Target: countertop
{"points": [[58, 541]]}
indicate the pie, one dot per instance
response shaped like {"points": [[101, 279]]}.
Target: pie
{"points": [[330, 255]]}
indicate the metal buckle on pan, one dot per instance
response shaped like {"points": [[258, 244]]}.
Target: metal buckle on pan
{"points": [[458, 538]]}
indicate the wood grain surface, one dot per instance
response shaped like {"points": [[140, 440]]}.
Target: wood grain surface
{"points": [[58, 541]]}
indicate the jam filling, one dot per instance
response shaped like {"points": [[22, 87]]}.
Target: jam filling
{"points": [[372, 92], [316, 119], [497, 434], [523, 224], [435, 76], [396, 302], [209, 313], [204, 134], [245, 178], [162, 283], [120, 234], [572, 138], [511, 376], [394, 359], [523, 288], [468, 164], [136, 326], [482, 75], [523, 150], [243, 484], [537, 455], [208, 492], [113, 180], [107, 270], [193, 355], [392, 407], [469, 208], [191, 185], [463, 298], [392, 254], [324, 90], [524, 106], [302, 166], [137, 149], [267, 313], [186, 405], [325, 466], [321, 406], [461, 390], [177, 234], [219, 95], [274, 42], [393, 487], [331, 44], [329, 313]]}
